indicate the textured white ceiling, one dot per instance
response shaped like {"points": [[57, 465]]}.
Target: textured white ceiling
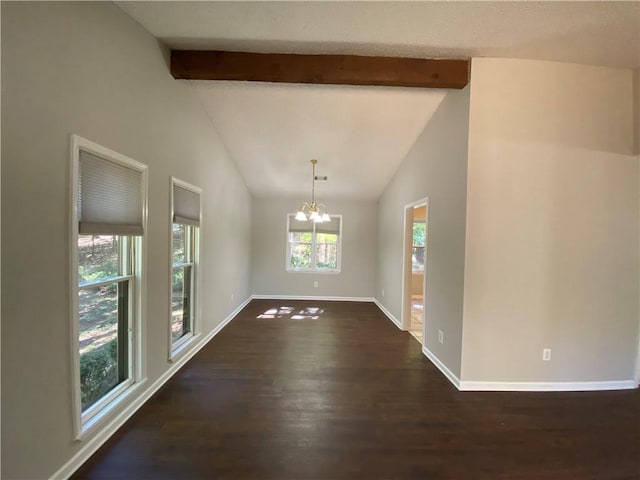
{"points": [[598, 33], [359, 134]]}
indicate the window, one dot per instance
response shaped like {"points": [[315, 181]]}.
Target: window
{"points": [[314, 247], [185, 242], [108, 211], [104, 289], [418, 251]]}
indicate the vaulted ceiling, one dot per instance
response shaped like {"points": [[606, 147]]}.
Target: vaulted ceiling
{"points": [[361, 134], [358, 135]]}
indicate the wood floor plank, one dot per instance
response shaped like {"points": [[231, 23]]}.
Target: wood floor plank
{"points": [[333, 390]]}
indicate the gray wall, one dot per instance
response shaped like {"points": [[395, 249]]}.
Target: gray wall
{"points": [[552, 224], [357, 276], [436, 167], [636, 110], [89, 69]]}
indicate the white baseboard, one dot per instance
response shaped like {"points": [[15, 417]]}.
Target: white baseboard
{"points": [[92, 445], [442, 367], [471, 386], [637, 375], [389, 315], [311, 297]]}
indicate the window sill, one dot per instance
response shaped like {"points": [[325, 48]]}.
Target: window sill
{"points": [[91, 426], [323, 272], [183, 347]]}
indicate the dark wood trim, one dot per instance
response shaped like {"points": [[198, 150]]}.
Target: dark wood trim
{"points": [[319, 69]]}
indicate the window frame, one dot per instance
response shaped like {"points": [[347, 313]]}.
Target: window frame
{"points": [[86, 423], [127, 248], [313, 268], [178, 347]]}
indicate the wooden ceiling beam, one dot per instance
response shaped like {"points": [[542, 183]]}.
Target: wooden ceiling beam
{"points": [[319, 69]]}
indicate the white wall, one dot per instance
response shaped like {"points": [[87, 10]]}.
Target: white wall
{"points": [[552, 224], [436, 167], [89, 69], [269, 236]]}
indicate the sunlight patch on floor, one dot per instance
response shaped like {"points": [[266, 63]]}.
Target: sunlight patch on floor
{"points": [[307, 313], [417, 318]]}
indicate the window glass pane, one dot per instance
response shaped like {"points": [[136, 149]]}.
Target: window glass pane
{"points": [[327, 256], [327, 238], [300, 256], [419, 238], [419, 231], [300, 237], [98, 328], [179, 238], [417, 258], [180, 302], [98, 257]]}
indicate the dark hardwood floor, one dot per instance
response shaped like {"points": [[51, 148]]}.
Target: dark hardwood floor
{"points": [[341, 393]]}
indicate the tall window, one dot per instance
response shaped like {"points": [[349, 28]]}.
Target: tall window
{"points": [[314, 247], [105, 276], [419, 239], [109, 208], [185, 242]]}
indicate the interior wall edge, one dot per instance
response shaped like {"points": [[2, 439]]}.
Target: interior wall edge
{"points": [[389, 315]]}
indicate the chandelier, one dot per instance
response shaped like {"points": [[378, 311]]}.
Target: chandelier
{"points": [[317, 212]]}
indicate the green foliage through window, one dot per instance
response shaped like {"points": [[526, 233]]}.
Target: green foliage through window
{"points": [[419, 243], [98, 257], [98, 373], [419, 234]]}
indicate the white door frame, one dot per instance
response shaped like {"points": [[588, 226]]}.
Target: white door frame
{"points": [[407, 247]]}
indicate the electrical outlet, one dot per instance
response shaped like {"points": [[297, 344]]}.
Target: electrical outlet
{"points": [[383, 292], [546, 354], [440, 336], [232, 297], [315, 283]]}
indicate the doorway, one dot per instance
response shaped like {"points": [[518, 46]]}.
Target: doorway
{"points": [[414, 269]]}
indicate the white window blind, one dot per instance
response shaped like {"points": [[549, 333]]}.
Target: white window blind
{"points": [[329, 227], [186, 206], [109, 197], [298, 226]]}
